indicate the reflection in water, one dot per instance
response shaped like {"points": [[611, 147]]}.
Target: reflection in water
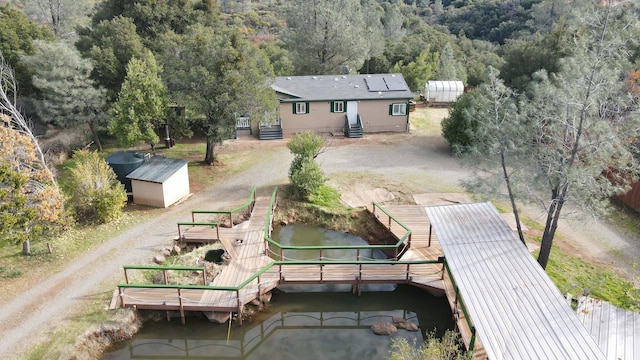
{"points": [[305, 322], [295, 326]]}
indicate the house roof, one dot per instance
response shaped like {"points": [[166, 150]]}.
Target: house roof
{"points": [[516, 309], [341, 87], [158, 169]]}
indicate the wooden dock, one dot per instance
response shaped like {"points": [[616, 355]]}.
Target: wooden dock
{"points": [[246, 247]]}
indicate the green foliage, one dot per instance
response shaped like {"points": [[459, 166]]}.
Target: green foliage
{"points": [[447, 347], [111, 44], [419, 71], [141, 104], [96, 194], [327, 197], [305, 144], [16, 37], [305, 174], [61, 16], [218, 75], [15, 214], [69, 97], [306, 177], [459, 126], [326, 35], [450, 68]]}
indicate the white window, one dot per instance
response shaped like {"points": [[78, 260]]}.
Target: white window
{"points": [[301, 108], [399, 109], [338, 106]]}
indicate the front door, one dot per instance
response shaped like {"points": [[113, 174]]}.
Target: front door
{"points": [[352, 112]]}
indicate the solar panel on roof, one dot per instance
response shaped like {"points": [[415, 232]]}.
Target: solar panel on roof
{"points": [[395, 84], [376, 84]]}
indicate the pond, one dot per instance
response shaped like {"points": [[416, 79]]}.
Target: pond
{"points": [[302, 321]]}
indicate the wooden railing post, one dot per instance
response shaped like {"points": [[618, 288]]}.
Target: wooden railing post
{"points": [[407, 275], [204, 277], [231, 219], [126, 277], [181, 307], [430, 228]]}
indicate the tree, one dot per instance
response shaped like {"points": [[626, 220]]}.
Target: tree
{"points": [[110, 45], [418, 72], [218, 75], [499, 133], [141, 104], [69, 97], [33, 198], [580, 123], [450, 68], [326, 36], [96, 193], [16, 36], [305, 174], [61, 16]]}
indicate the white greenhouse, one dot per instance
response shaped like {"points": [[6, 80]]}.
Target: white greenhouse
{"points": [[443, 92]]}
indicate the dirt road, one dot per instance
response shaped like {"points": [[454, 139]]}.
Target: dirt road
{"points": [[421, 162]]}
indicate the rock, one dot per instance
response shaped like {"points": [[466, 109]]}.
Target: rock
{"points": [[404, 324], [166, 252], [284, 222], [265, 298], [159, 259], [256, 302], [383, 328], [175, 250]]}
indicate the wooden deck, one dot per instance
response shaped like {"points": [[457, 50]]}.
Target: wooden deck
{"points": [[246, 247]]}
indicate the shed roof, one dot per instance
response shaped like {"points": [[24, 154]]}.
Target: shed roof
{"points": [[158, 169], [516, 309], [341, 87]]}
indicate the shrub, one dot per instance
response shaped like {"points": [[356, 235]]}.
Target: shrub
{"points": [[447, 347], [305, 174], [96, 193], [459, 127]]}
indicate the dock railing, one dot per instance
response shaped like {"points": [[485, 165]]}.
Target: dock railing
{"points": [[278, 251], [247, 206]]}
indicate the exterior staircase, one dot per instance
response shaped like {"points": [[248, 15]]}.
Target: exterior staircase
{"points": [[353, 130], [270, 133]]}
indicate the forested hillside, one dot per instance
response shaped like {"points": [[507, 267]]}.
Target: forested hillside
{"points": [[116, 69]]}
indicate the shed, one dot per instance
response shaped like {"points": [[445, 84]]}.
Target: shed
{"points": [[443, 92], [160, 182]]}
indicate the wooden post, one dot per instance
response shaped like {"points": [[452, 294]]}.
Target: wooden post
{"points": [[204, 277], [430, 227], [231, 219], [179, 234], [164, 275], [218, 231], [239, 308], [121, 294], [126, 278], [181, 307], [193, 217]]}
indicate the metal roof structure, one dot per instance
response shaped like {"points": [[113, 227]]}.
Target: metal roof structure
{"points": [[517, 311], [615, 330], [158, 169], [341, 87]]}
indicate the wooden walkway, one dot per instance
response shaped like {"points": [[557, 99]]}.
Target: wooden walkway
{"points": [[248, 258]]}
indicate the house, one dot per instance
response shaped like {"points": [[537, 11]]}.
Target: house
{"points": [[340, 104], [160, 182], [443, 92]]}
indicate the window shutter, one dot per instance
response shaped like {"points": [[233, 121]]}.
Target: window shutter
{"points": [[391, 109], [332, 109], [344, 106], [307, 107], [294, 107]]}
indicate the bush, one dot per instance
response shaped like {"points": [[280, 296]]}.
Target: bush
{"points": [[305, 174], [307, 178], [459, 127], [447, 347], [96, 193]]}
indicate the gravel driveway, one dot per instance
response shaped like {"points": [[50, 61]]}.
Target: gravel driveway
{"points": [[425, 160]]}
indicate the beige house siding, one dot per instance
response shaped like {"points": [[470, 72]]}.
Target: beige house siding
{"points": [[161, 194], [147, 193], [176, 187], [374, 114]]}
